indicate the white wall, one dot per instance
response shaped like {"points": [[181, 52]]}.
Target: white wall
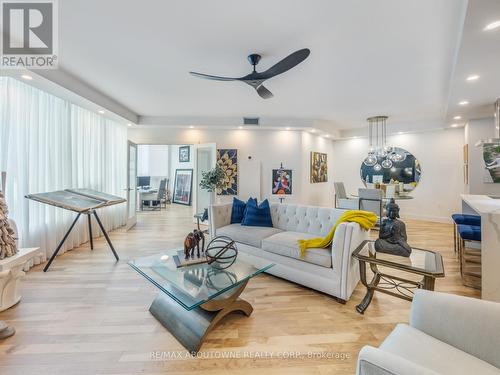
{"points": [[266, 149], [440, 155], [476, 130], [152, 160]]}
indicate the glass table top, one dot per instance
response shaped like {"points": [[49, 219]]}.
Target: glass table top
{"points": [[420, 260], [193, 285]]}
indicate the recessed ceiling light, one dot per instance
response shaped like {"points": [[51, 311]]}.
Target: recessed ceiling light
{"points": [[473, 77], [191, 127], [463, 102], [26, 77], [457, 118], [492, 26], [327, 135], [400, 133], [129, 124], [355, 137], [313, 130], [287, 128], [240, 127], [454, 125], [101, 111]]}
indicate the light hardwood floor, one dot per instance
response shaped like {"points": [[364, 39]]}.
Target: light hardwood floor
{"points": [[89, 315]]}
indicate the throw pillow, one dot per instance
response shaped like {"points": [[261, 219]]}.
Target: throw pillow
{"points": [[238, 211], [257, 215]]}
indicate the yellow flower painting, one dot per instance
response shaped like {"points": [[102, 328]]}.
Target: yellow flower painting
{"points": [[228, 161]]}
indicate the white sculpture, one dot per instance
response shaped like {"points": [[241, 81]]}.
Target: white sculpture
{"points": [[8, 246]]}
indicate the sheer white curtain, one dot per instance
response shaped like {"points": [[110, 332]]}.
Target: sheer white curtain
{"points": [[46, 144]]}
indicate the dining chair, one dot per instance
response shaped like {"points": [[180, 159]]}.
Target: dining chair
{"points": [[371, 200], [390, 191], [154, 199], [341, 198]]}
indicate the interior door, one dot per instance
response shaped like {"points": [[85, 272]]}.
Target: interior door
{"points": [[206, 155], [132, 186]]}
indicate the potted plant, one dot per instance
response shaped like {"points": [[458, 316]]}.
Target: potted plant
{"points": [[212, 180]]}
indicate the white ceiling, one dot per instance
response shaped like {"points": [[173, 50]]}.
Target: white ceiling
{"points": [[367, 57], [479, 54]]}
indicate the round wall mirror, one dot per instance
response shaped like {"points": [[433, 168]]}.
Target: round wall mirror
{"points": [[399, 168]]}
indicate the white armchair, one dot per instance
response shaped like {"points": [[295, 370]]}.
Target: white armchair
{"points": [[448, 334]]}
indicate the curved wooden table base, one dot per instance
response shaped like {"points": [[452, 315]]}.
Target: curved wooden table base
{"points": [[5, 330], [191, 327]]}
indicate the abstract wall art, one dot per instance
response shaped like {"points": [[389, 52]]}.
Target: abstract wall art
{"points": [[282, 181], [182, 186], [184, 154], [319, 167]]}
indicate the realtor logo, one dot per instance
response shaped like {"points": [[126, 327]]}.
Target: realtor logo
{"points": [[29, 34]]}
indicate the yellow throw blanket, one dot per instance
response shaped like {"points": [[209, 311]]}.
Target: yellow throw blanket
{"points": [[364, 218]]}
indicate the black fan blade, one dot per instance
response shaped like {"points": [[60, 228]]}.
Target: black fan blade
{"points": [[287, 63], [215, 78], [263, 92]]}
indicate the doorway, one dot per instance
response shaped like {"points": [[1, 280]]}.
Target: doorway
{"points": [[181, 167]]}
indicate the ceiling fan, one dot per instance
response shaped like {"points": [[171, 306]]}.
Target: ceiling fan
{"points": [[256, 79]]}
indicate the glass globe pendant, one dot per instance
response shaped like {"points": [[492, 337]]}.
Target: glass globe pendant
{"points": [[387, 163], [397, 156], [377, 167], [370, 160]]}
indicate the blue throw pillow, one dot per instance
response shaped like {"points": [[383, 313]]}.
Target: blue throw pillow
{"points": [[238, 211], [257, 216]]}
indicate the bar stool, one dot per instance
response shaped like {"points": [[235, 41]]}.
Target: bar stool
{"points": [[469, 257], [463, 219]]}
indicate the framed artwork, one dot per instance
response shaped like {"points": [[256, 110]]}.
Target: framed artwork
{"points": [[227, 159], [491, 156], [184, 156], [319, 167], [183, 186], [282, 182]]}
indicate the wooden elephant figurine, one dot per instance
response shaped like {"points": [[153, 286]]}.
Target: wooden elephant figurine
{"points": [[192, 241]]}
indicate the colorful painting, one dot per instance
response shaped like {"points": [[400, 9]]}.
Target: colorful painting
{"points": [[184, 155], [491, 156], [183, 186], [227, 159], [319, 167], [282, 181]]}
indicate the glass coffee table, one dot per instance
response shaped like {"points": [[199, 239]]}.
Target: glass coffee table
{"points": [[193, 299], [426, 263]]}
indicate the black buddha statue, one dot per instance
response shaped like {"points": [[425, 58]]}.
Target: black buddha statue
{"points": [[392, 236]]}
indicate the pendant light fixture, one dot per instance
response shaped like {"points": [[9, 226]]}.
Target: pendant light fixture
{"points": [[377, 134]]}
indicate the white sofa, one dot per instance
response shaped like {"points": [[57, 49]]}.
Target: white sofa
{"points": [[331, 270], [448, 334]]}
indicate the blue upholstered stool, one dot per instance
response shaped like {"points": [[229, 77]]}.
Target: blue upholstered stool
{"points": [[467, 219], [469, 232], [463, 219], [470, 258]]}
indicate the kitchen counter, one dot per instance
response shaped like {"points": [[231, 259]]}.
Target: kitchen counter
{"points": [[489, 210], [482, 204]]}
